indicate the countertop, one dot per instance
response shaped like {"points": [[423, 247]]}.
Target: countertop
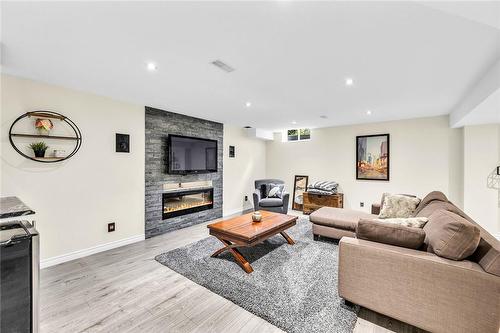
{"points": [[13, 207]]}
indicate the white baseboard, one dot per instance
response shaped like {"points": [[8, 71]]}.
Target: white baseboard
{"points": [[497, 236], [44, 263], [234, 212]]}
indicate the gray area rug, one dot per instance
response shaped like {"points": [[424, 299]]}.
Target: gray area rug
{"points": [[294, 287]]}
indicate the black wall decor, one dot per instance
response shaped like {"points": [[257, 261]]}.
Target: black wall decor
{"points": [[122, 143], [77, 137], [232, 151]]}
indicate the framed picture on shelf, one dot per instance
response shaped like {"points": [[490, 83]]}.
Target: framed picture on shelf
{"points": [[372, 157], [299, 187]]}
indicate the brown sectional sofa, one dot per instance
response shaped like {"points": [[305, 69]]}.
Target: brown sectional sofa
{"points": [[416, 286]]}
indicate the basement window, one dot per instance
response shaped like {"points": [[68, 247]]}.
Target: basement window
{"points": [[301, 134]]}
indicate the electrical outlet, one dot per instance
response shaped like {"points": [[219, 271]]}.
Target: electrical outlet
{"points": [[246, 197], [361, 204], [111, 227]]}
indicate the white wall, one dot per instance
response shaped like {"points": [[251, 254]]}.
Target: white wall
{"points": [[481, 184], [75, 199], [241, 172], [425, 155]]}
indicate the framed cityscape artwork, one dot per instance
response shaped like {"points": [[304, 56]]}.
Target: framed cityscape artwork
{"points": [[372, 157]]}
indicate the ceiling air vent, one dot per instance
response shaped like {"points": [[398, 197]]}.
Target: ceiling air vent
{"points": [[223, 66]]}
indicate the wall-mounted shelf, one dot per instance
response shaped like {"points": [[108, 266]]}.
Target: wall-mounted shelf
{"points": [[46, 114], [53, 115], [55, 159], [46, 136]]}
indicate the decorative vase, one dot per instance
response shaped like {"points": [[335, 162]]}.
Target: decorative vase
{"points": [[39, 153], [43, 131], [256, 216]]}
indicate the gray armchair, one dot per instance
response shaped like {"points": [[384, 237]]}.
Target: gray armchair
{"points": [[277, 205]]}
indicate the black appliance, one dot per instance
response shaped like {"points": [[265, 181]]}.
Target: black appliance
{"points": [[19, 277], [191, 155]]}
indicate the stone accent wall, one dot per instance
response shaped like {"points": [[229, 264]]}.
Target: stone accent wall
{"points": [[159, 124]]}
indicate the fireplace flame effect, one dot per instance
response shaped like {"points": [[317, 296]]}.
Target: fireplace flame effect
{"points": [[181, 206]]}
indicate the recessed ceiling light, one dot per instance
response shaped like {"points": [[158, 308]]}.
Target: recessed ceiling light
{"points": [[323, 116], [368, 112], [248, 104], [294, 122], [349, 81], [151, 66]]}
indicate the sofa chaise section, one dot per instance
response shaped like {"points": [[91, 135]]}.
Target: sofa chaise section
{"points": [[336, 222]]}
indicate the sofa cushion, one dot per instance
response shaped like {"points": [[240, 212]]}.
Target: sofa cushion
{"points": [[451, 236], [432, 196], [388, 233], [271, 202], [433, 206], [487, 254], [341, 218], [398, 206]]}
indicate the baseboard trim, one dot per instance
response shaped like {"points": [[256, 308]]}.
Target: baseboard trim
{"points": [[237, 212], [497, 236], [44, 263]]}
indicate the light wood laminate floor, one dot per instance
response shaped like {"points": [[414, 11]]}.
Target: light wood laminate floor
{"points": [[126, 290]]}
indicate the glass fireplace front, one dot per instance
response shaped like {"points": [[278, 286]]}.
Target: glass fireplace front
{"points": [[178, 203]]}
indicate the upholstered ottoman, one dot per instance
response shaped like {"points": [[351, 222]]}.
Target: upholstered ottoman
{"points": [[336, 222]]}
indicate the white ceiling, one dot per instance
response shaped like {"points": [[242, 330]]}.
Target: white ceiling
{"points": [[291, 58], [486, 12]]}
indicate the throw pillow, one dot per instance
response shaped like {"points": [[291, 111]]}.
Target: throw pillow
{"points": [[392, 234], [412, 222], [276, 191], [387, 194], [451, 236], [396, 206], [263, 191]]}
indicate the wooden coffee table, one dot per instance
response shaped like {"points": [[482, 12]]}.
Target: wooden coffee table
{"points": [[241, 231]]}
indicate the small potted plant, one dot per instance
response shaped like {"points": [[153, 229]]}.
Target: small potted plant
{"points": [[39, 148], [43, 126]]}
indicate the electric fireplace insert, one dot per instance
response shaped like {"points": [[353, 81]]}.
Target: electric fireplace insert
{"points": [[177, 203]]}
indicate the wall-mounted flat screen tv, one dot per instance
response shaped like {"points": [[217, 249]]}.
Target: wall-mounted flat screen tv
{"points": [[191, 155]]}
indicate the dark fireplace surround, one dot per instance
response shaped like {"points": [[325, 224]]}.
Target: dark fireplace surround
{"points": [[161, 186]]}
